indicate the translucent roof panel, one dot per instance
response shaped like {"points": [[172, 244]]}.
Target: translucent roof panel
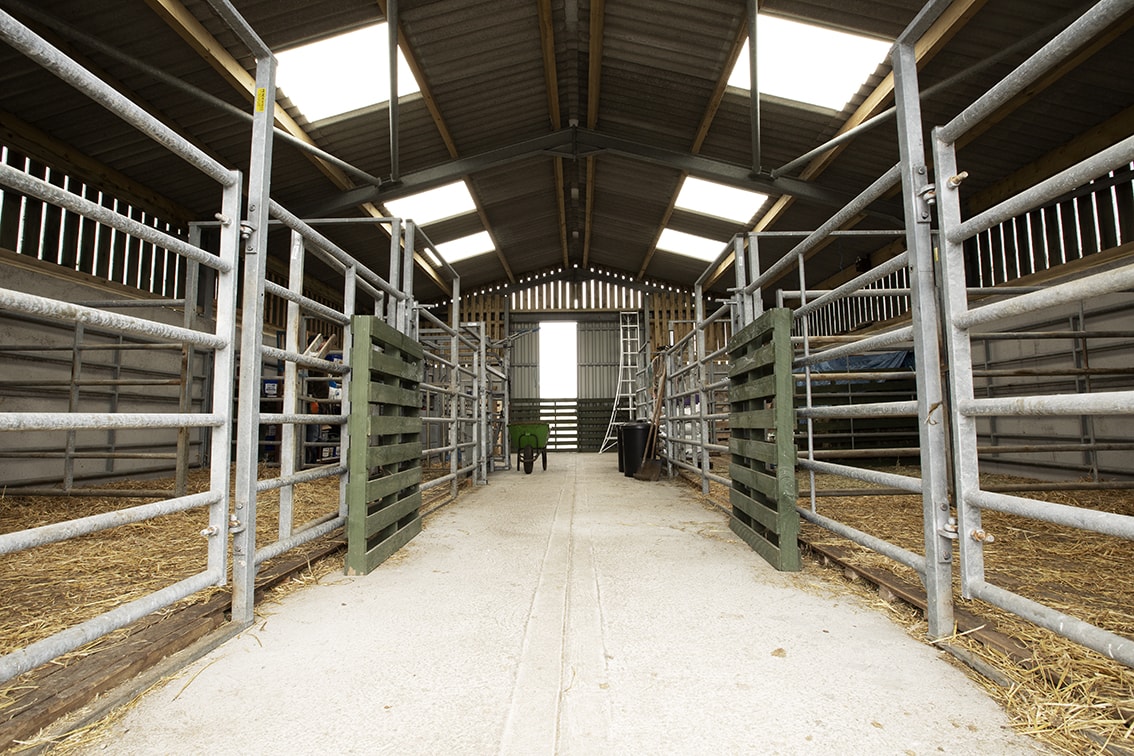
{"points": [[808, 63], [465, 247], [718, 200], [341, 73], [434, 204], [689, 245]]}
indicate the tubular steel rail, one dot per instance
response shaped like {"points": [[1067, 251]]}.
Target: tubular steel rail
{"points": [[965, 408], [218, 342]]}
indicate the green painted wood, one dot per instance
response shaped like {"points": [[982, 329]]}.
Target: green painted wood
{"points": [[383, 551], [394, 366], [754, 360], [381, 393], [390, 454], [763, 451], [756, 511], [380, 488], [772, 554], [394, 425], [385, 402], [394, 512], [761, 419], [763, 495], [761, 388]]}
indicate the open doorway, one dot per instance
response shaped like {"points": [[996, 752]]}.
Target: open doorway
{"points": [[559, 383]]}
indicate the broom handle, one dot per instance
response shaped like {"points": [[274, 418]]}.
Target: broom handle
{"points": [[652, 436]]}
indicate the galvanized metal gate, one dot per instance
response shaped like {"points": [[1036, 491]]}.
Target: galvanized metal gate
{"points": [[762, 444], [384, 488]]}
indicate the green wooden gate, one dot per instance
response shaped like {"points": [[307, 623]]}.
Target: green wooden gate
{"points": [[384, 461], [762, 444]]}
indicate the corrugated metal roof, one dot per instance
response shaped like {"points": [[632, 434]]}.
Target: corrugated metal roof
{"points": [[486, 88]]}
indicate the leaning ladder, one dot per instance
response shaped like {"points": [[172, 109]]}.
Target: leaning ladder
{"points": [[623, 409]]}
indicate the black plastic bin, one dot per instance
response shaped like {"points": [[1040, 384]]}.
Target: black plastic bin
{"points": [[621, 447], [634, 438]]}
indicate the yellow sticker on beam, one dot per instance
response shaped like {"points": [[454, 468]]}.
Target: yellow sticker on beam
{"points": [[261, 99]]}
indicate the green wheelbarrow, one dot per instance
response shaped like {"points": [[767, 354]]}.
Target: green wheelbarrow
{"points": [[529, 440]]}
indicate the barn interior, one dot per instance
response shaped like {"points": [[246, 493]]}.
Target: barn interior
{"points": [[249, 319]]}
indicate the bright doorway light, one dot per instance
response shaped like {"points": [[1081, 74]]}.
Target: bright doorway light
{"points": [[466, 247], [558, 360], [342, 73], [434, 204], [698, 247], [809, 63], [718, 200]]}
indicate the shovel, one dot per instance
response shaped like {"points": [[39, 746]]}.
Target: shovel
{"points": [[650, 469]]}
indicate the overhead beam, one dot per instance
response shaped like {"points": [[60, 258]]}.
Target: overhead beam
{"points": [[556, 143], [178, 17], [551, 86], [944, 28], [594, 89], [699, 139]]}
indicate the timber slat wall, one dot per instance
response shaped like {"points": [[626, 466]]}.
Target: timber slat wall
{"points": [[763, 466], [384, 488]]}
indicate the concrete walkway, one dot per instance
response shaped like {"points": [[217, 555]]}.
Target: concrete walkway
{"points": [[573, 611]]}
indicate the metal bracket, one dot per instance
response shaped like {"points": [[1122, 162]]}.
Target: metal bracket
{"points": [[926, 199]]}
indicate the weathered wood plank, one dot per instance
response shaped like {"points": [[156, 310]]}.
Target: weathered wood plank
{"points": [[390, 546], [386, 454], [387, 516], [379, 488]]}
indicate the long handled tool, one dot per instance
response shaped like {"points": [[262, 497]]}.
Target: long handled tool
{"points": [[650, 469]]}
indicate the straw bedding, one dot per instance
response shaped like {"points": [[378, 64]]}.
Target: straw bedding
{"points": [[1072, 699], [51, 588]]}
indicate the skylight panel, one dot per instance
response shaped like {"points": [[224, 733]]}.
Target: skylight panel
{"points": [[718, 200], [809, 63], [434, 204], [698, 247], [466, 247], [342, 73]]}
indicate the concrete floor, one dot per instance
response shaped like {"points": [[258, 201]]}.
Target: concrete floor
{"points": [[572, 611]]}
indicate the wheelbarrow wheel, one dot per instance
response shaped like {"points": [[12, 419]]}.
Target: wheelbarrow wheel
{"points": [[528, 466], [545, 459]]}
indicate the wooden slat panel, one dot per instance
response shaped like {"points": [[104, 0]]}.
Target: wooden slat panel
{"points": [[761, 356], [393, 425], [756, 510], [380, 401], [389, 454], [389, 515], [389, 547], [392, 365], [381, 393], [757, 419], [379, 488]]}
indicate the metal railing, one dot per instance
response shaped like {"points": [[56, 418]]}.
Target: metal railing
{"points": [[218, 341], [960, 320]]}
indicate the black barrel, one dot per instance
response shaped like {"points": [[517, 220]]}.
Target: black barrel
{"points": [[634, 438], [621, 447]]}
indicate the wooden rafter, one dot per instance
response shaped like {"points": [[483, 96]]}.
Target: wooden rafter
{"points": [[699, 139], [594, 89], [951, 21], [450, 145], [551, 85]]}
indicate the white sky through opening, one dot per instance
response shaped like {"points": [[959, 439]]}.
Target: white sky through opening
{"points": [[809, 63], [558, 360], [342, 73]]}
